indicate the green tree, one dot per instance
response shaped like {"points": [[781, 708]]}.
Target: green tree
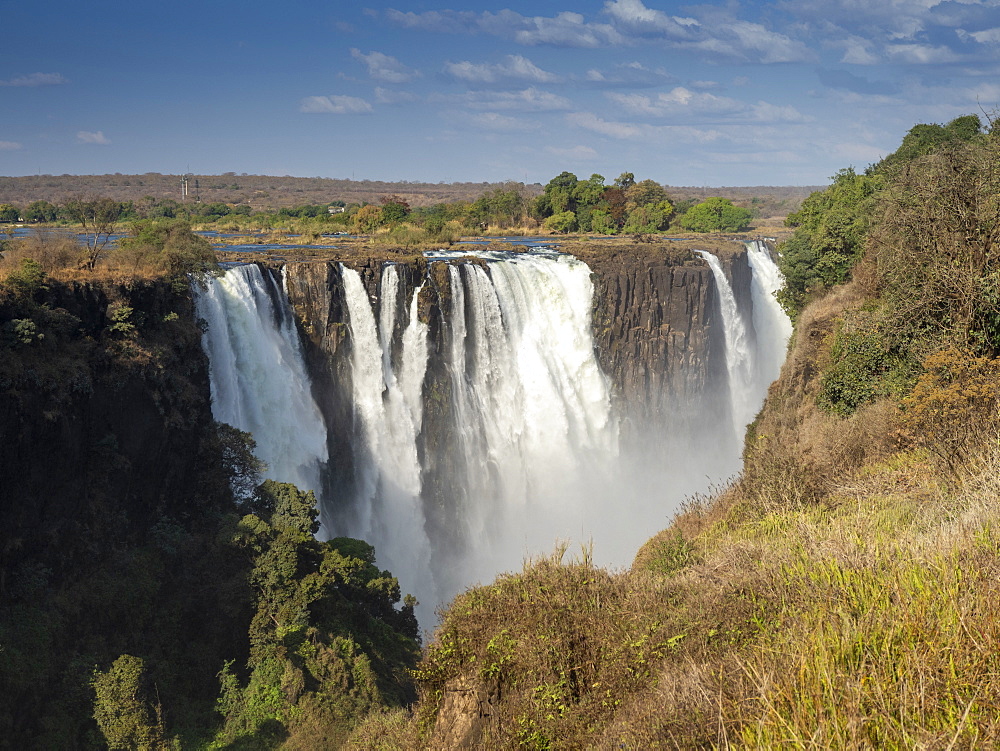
{"points": [[125, 714], [829, 238], [565, 221], [169, 245], [716, 215], [40, 211], [9, 212], [394, 209]]}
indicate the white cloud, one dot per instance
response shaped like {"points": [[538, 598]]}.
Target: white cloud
{"points": [[685, 104], [515, 68], [337, 105], [920, 54], [750, 42], [382, 67], [858, 51], [527, 100], [36, 79], [590, 121], [986, 36], [498, 122], [562, 30], [391, 96], [634, 16], [632, 74], [97, 137], [9, 146]]}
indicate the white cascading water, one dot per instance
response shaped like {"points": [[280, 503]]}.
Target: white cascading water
{"points": [[389, 409], [770, 321], [532, 408], [739, 354], [258, 376], [535, 436]]}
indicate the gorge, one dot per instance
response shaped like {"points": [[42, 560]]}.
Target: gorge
{"points": [[464, 411]]}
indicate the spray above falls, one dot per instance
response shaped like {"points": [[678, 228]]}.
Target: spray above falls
{"points": [[462, 420]]}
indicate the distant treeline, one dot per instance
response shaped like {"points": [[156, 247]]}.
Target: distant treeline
{"points": [[261, 192]]}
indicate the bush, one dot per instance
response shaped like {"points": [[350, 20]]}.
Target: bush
{"points": [[954, 408]]}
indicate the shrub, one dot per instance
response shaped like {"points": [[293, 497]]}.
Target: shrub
{"points": [[954, 408]]}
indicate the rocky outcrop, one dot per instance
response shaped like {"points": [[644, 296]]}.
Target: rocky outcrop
{"points": [[104, 418]]}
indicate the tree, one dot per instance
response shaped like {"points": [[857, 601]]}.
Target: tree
{"points": [[169, 245], [829, 238], [716, 215], [9, 212], [123, 710], [40, 211], [394, 209], [99, 218], [368, 219]]}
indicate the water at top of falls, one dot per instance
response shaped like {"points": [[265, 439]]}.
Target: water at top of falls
{"points": [[258, 376]]}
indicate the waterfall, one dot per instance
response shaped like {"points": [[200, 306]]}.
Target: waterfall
{"points": [[535, 428], [259, 381], [388, 408], [772, 324], [472, 450], [752, 369], [739, 355]]}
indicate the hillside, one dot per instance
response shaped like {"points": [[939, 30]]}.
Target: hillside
{"points": [[272, 192]]}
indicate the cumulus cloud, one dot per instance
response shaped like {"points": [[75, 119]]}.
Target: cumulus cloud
{"points": [[986, 36], [633, 74], [858, 51], [636, 17], [514, 68], [497, 122], [526, 100], [336, 105], [391, 96], [385, 68], [749, 42], [36, 79], [9, 146], [565, 29], [684, 104], [97, 138], [920, 54], [590, 121]]}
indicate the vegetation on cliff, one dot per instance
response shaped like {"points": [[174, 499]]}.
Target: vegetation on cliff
{"points": [[842, 592], [152, 593]]}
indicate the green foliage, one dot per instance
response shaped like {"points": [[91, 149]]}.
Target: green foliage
{"points": [[866, 362], [26, 280], [168, 246], [326, 642], [923, 139], [122, 707], [562, 222], [716, 215], [829, 238], [9, 213], [122, 320]]}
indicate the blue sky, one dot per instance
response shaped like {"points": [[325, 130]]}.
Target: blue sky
{"points": [[722, 93]]}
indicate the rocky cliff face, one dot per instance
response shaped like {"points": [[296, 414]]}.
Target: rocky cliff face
{"points": [[656, 323], [104, 414]]}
